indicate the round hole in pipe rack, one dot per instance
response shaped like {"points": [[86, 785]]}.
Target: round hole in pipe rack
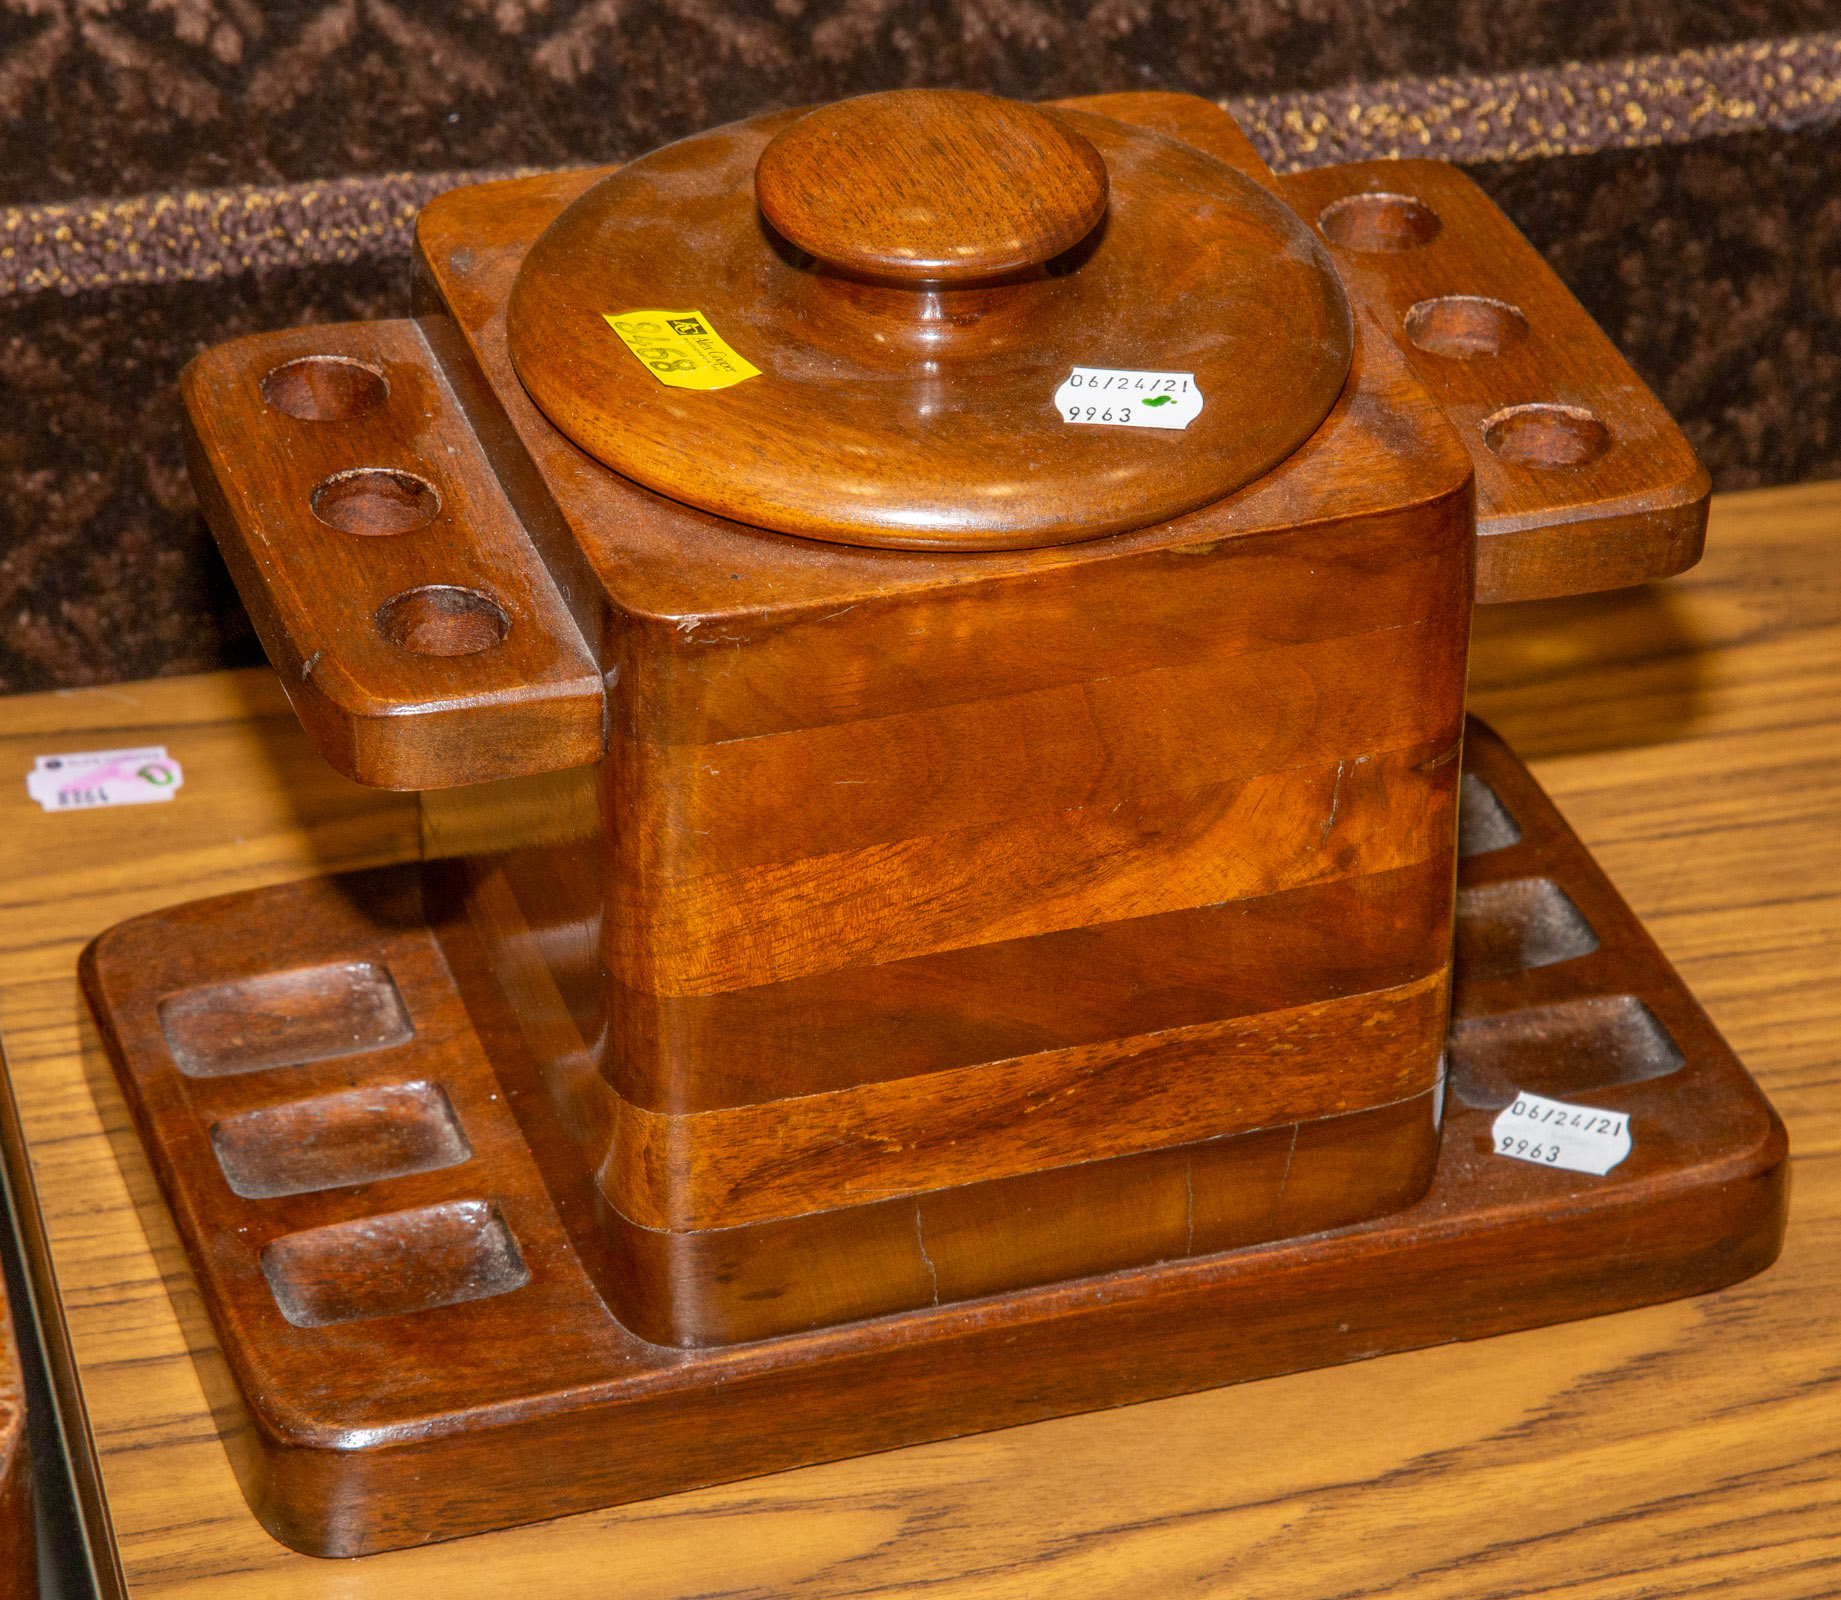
{"points": [[375, 501], [1464, 325], [325, 388], [1546, 435], [440, 619], [1379, 222]]}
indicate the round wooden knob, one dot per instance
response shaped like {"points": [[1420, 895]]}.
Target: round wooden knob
{"points": [[931, 186]]}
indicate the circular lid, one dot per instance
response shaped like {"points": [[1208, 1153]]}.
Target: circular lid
{"points": [[932, 320]]}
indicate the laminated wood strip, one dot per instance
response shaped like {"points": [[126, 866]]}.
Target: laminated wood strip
{"points": [[755, 1281], [825, 1151], [1357, 562], [848, 786], [735, 930], [1011, 998]]}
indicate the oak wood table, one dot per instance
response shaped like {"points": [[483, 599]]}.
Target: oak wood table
{"points": [[1691, 732]]}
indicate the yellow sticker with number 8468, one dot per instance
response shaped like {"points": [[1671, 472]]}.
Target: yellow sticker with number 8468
{"points": [[680, 348]]}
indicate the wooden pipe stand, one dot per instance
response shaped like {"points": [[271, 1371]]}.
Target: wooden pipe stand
{"points": [[943, 904]]}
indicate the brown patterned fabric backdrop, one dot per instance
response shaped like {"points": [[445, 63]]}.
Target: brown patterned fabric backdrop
{"points": [[113, 97], [1715, 263]]}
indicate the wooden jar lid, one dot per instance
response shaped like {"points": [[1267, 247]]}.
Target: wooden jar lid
{"points": [[913, 278]]}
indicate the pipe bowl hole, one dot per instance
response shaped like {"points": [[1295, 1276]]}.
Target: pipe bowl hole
{"points": [[1464, 325], [1378, 222], [440, 619], [325, 388], [374, 501], [1544, 435]]}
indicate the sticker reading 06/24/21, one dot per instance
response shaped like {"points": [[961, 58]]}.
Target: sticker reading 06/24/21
{"points": [[91, 778], [1553, 1133], [1118, 397], [680, 348]]}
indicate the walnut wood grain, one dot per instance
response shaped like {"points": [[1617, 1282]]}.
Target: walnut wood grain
{"points": [[744, 1280], [927, 418], [768, 652], [760, 1280], [1583, 481], [680, 1054], [683, 578], [930, 186], [1111, 797], [704, 932], [422, 640], [950, 763], [1049, 777], [853, 653], [826, 763], [728, 1285], [997, 1119]]}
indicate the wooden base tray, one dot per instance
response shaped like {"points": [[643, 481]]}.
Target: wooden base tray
{"points": [[412, 1351]]}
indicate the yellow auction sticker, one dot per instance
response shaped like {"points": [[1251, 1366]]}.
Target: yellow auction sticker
{"points": [[680, 348]]}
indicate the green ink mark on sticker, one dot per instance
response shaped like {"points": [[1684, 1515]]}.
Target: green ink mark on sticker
{"points": [[1159, 400]]}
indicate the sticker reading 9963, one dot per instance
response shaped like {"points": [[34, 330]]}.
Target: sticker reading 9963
{"points": [[1551, 1133], [1111, 397]]}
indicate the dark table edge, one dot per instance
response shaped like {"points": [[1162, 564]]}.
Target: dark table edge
{"points": [[77, 1555]]}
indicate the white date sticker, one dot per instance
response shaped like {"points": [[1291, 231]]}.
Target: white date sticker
{"points": [[1114, 398], [1551, 1133], [92, 778]]}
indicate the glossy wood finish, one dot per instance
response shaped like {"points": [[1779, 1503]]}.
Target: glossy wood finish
{"points": [[690, 927], [1055, 992], [1583, 481], [957, 1053], [1693, 735], [709, 864], [872, 1256], [727, 1285], [983, 785], [931, 186], [732, 853], [892, 415], [404, 1313], [422, 639], [999, 1119], [855, 796]]}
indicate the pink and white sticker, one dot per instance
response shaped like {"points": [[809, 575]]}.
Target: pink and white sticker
{"points": [[87, 779]]}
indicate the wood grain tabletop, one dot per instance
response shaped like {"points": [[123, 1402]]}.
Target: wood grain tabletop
{"points": [[1691, 732]]}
